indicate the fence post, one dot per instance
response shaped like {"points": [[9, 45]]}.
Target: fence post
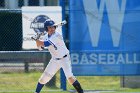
{"points": [[26, 67], [62, 75], [63, 80]]}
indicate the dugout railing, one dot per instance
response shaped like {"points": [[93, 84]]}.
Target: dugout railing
{"points": [[25, 57]]}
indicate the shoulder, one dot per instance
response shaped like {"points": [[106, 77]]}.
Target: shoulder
{"points": [[57, 34]]}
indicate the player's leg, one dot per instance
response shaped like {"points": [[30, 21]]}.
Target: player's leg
{"points": [[66, 65], [49, 72], [72, 80]]}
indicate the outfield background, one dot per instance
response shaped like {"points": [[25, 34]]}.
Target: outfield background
{"points": [[102, 36]]}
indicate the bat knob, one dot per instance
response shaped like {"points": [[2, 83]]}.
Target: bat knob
{"points": [[41, 48], [64, 22]]}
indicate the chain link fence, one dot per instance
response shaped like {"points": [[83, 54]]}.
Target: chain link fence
{"points": [[11, 30], [20, 69]]}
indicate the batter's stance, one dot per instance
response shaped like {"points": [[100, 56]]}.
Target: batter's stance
{"points": [[60, 57]]}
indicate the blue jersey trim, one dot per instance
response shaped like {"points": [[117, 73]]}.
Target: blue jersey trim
{"points": [[52, 44], [46, 43]]}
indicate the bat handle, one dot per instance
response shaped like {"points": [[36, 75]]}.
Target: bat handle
{"points": [[33, 38]]}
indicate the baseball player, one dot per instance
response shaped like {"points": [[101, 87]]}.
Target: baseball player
{"points": [[60, 57]]}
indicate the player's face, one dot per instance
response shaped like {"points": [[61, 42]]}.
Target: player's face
{"points": [[51, 29]]}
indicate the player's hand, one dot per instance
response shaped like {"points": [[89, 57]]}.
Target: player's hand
{"points": [[39, 43]]}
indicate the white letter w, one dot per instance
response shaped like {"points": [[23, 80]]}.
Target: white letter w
{"points": [[95, 15]]}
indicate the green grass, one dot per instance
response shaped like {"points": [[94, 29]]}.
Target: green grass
{"points": [[26, 83]]}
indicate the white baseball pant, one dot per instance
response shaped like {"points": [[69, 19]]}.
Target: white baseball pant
{"points": [[53, 66]]}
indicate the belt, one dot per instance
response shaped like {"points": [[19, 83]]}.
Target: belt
{"points": [[61, 58]]}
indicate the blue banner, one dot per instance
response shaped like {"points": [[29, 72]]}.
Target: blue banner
{"points": [[105, 37]]}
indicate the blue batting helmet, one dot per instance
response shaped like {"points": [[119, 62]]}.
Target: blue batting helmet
{"points": [[48, 22]]}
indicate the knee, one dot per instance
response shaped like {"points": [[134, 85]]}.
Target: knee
{"points": [[45, 78], [71, 80]]}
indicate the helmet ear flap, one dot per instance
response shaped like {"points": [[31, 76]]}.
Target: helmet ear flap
{"points": [[46, 29], [55, 27]]}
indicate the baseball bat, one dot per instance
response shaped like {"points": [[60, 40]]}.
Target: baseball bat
{"points": [[61, 23]]}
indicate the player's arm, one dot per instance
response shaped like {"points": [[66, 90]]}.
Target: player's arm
{"points": [[42, 43]]}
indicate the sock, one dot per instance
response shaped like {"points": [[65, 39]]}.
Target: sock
{"points": [[39, 87], [78, 87]]}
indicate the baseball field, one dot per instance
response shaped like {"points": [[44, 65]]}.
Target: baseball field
{"points": [[26, 82]]}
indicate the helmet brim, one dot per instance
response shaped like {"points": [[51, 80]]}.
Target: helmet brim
{"points": [[55, 24]]}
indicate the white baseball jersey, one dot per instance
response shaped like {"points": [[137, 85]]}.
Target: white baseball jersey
{"points": [[57, 47]]}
